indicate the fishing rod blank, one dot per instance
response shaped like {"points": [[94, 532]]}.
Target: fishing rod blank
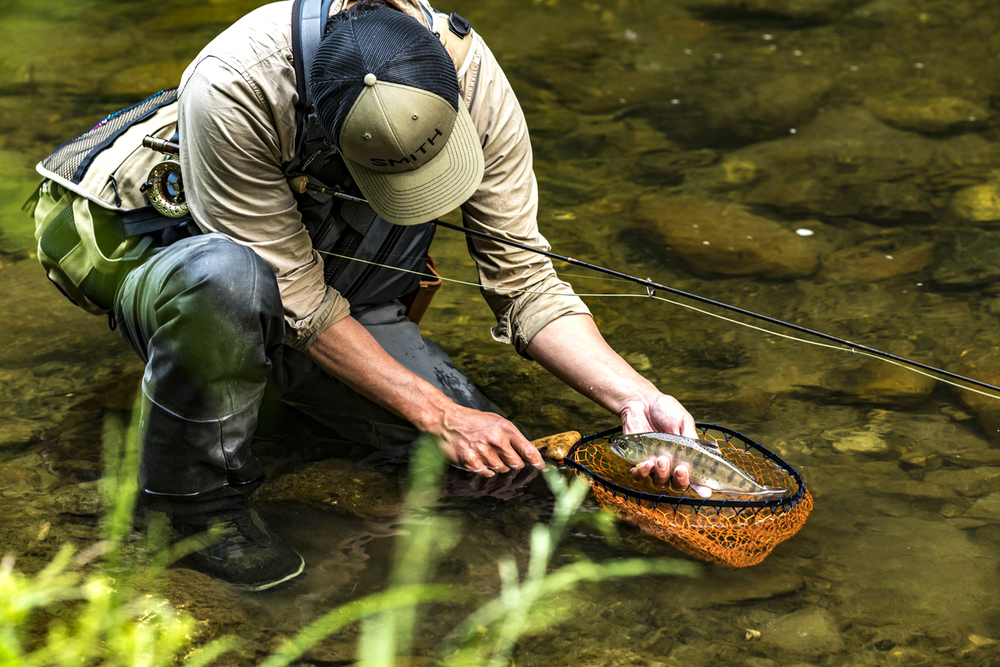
{"points": [[301, 184], [652, 286]]}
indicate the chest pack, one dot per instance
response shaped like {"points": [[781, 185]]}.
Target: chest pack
{"points": [[96, 213]]}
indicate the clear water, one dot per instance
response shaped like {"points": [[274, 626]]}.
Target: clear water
{"points": [[871, 125]]}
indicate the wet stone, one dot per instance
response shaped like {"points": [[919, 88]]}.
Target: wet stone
{"points": [[766, 111], [877, 259], [987, 507], [978, 203], [811, 632], [217, 608], [966, 482], [714, 238], [82, 499], [341, 485], [881, 383], [16, 481], [809, 11], [933, 115], [15, 433]]}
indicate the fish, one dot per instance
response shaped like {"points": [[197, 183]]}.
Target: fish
{"points": [[709, 471]]}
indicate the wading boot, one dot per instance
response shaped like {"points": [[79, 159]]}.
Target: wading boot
{"points": [[241, 551]]}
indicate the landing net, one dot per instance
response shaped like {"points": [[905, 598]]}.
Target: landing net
{"points": [[723, 529]]}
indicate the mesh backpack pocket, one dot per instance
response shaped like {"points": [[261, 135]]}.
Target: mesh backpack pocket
{"points": [[86, 207]]}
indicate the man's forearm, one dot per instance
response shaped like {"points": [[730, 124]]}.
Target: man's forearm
{"points": [[349, 353], [482, 442], [572, 349]]}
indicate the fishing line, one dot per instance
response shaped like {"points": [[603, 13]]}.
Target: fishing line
{"points": [[651, 287], [912, 366], [301, 184]]}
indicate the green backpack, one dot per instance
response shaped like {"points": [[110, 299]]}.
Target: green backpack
{"points": [[92, 211]]}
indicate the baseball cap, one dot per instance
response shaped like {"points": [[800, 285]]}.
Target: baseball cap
{"points": [[386, 92]]}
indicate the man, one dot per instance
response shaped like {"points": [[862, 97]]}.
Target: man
{"points": [[213, 313]]}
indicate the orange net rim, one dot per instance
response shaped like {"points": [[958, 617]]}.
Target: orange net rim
{"points": [[780, 505]]}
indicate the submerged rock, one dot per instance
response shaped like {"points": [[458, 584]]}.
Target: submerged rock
{"points": [[848, 163], [889, 560], [987, 507], [731, 586], [986, 407], [969, 482], [16, 432], [877, 259], [808, 11], [932, 115], [972, 261], [714, 238], [857, 442], [16, 481], [881, 383], [82, 499], [979, 203], [811, 632], [740, 113], [341, 485]]}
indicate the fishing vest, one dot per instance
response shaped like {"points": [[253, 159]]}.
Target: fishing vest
{"points": [[94, 217]]}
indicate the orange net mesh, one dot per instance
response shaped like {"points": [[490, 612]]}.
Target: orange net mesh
{"points": [[722, 529]]}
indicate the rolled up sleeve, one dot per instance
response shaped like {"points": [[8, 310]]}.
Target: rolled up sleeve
{"points": [[520, 286], [232, 153]]}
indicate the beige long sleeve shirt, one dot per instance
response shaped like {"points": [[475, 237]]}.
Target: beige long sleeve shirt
{"points": [[237, 128]]}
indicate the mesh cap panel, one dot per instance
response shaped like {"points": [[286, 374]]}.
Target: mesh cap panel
{"points": [[393, 46]]}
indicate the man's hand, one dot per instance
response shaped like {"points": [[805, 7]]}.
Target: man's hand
{"points": [[573, 350], [663, 414], [483, 442]]}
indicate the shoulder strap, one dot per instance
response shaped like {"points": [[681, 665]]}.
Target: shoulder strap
{"points": [[308, 21], [456, 34]]}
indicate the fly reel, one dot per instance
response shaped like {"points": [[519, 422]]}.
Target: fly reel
{"points": [[165, 189]]}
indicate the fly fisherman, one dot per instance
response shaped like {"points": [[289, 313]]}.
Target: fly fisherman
{"points": [[214, 313]]}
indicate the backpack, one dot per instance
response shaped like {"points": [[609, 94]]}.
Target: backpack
{"points": [[95, 212], [92, 212]]}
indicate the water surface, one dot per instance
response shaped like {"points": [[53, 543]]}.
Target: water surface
{"points": [[856, 142]]}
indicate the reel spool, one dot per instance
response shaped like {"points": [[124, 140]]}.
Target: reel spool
{"points": [[165, 189]]}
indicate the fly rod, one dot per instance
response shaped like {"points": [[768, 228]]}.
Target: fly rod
{"points": [[652, 286], [301, 184]]}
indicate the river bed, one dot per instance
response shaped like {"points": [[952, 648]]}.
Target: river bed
{"points": [[833, 163]]}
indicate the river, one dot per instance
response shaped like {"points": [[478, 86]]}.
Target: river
{"points": [[833, 163]]}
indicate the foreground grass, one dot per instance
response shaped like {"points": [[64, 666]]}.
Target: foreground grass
{"points": [[101, 607]]}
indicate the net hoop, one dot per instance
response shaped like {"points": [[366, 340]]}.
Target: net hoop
{"points": [[727, 531], [785, 503]]}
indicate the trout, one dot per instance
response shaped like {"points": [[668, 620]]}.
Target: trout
{"points": [[709, 471]]}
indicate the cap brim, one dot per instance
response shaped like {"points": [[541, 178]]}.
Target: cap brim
{"points": [[436, 188]]}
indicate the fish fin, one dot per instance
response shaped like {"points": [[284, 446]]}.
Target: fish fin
{"points": [[710, 445], [702, 491]]}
